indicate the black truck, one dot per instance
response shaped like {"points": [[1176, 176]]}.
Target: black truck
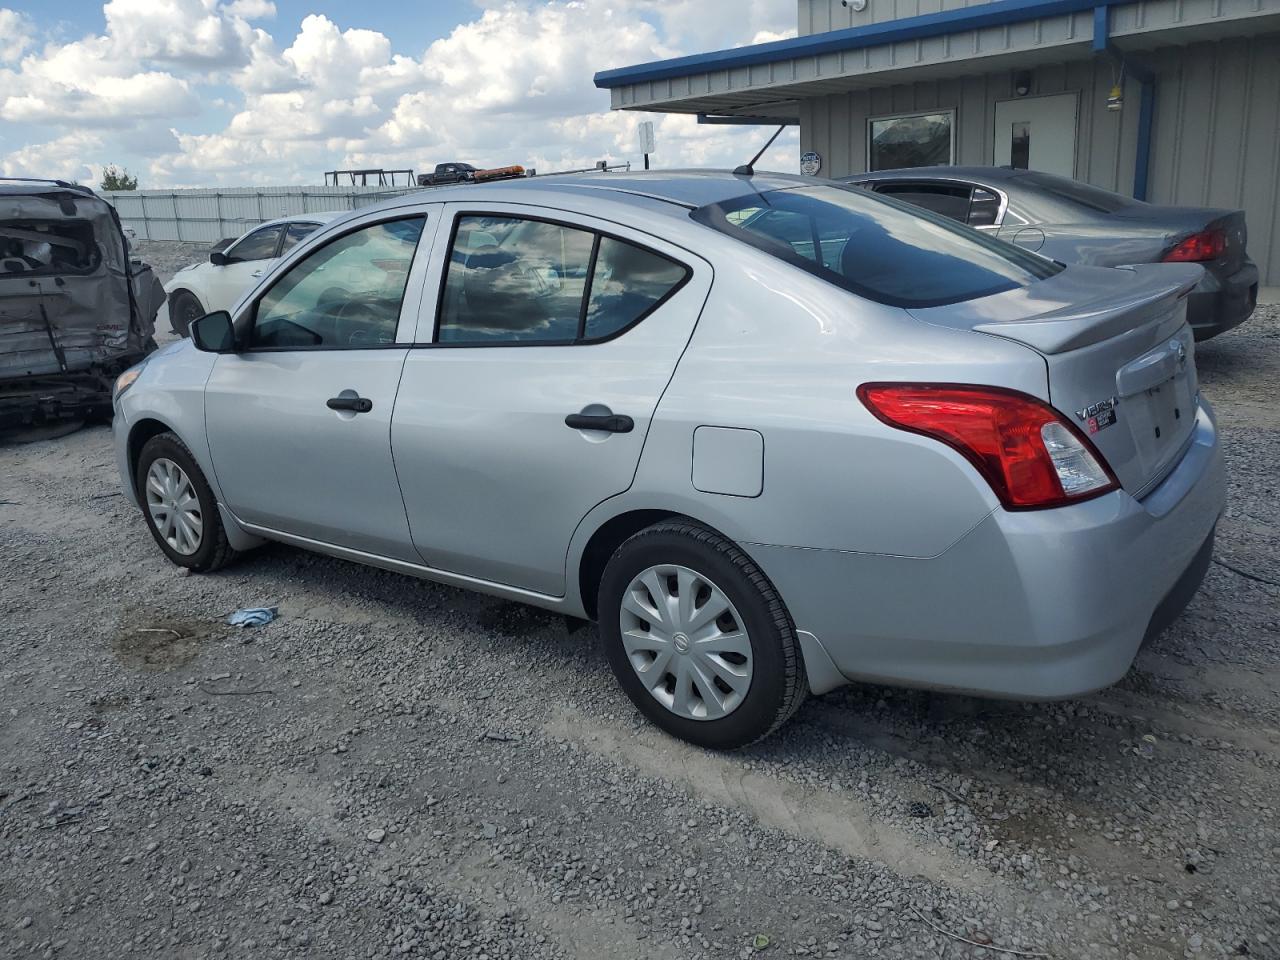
{"points": [[448, 173]]}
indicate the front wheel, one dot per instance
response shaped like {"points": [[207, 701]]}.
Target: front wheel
{"points": [[698, 637], [184, 310], [179, 506]]}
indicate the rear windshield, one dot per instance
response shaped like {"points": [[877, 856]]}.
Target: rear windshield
{"points": [[875, 246], [1072, 191], [38, 247]]}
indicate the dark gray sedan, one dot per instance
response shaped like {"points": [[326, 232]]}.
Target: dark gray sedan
{"points": [[1074, 222]]}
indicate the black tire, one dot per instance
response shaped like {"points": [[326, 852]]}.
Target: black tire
{"points": [[184, 309], [778, 682], [214, 551]]}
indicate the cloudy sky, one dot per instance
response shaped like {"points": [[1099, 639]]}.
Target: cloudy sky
{"points": [[241, 92]]}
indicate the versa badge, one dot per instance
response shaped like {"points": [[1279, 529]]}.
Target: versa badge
{"points": [[1098, 416]]}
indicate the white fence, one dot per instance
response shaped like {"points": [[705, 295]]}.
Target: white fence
{"points": [[206, 216]]}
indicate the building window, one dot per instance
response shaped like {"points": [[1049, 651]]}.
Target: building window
{"points": [[911, 140]]}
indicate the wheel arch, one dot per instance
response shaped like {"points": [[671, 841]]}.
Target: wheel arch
{"points": [[820, 670], [171, 295], [606, 539], [139, 434]]}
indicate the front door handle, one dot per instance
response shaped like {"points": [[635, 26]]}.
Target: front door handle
{"points": [[354, 404], [609, 422]]}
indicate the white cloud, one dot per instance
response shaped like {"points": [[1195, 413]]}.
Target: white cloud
{"points": [[104, 101], [252, 9], [67, 158], [194, 32], [15, 35], [513, 85]]}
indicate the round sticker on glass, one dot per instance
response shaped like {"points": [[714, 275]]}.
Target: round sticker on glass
{"points": [[810, 163]]}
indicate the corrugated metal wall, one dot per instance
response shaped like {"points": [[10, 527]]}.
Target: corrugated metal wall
{"points": [[819, 16], [211, 215], [1216, 136]]}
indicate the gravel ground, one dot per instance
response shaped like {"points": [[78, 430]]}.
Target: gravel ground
{"points": [[398, 768]]}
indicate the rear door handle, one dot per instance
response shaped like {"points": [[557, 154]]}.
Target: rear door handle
{"points": [[355, 404], [608, 422]]}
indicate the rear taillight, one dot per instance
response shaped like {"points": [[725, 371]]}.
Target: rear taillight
{"points": [[1205, 245], [1029, 453]]}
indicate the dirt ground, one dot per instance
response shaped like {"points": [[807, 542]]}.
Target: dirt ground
{"points": [[396, 768]]}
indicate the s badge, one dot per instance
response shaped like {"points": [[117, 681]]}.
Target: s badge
{"points": [[1098, 416]]}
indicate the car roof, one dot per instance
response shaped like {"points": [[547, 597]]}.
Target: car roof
{"points": [[323, 216], [672, 192]]}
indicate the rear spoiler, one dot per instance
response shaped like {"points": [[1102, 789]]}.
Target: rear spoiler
{"points": [[1159, 288]]}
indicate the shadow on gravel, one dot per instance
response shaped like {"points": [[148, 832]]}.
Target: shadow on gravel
{"points": [[151, 641], [516, 619]]}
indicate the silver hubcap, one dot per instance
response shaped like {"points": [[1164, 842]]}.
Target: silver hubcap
{"points": [[686, 642], [174, 506]]}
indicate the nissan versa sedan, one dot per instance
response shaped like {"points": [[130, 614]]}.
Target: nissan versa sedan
{"points": [[1078, 223], [774, 435]]}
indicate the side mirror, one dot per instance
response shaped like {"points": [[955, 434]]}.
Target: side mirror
{"points": [[219, 259], [213, 333]]}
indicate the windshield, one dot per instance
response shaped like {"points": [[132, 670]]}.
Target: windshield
{"points": [[875, 246]]}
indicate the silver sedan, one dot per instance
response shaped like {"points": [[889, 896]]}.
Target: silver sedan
{"points": [[773, 435]]}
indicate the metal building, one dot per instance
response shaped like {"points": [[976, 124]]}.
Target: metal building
{"points": [[883, 83]]}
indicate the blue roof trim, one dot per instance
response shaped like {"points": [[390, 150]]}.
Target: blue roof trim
{"points": [[995, 14]]}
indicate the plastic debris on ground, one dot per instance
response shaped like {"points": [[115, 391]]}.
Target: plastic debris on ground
{"points": [[253, 616]]}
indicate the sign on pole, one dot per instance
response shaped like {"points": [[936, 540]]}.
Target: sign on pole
{"points": [[646, 137]]}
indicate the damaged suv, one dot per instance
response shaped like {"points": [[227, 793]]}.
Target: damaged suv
{"points": [[75, 310]]}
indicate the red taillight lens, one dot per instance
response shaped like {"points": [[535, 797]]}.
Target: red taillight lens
{"points": [[1031, 455], [1206, 245]]}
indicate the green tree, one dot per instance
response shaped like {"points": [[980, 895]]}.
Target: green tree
{"points": [[114, 178]]}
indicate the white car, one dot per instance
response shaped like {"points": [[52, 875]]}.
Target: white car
{"points": [[220, 283]]}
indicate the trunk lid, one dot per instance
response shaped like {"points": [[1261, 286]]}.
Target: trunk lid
{"points": [[1119, 355]]}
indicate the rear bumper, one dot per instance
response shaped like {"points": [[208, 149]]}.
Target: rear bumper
{"points": [[1216, 305], [1032, 605]]}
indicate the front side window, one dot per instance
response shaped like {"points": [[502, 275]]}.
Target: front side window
{"points": [[520, 281], [913, 140], [875, 246], [344, 295], [259, 245]]}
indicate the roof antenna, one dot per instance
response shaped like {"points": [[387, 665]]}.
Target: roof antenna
{"points": [[748, 169]]}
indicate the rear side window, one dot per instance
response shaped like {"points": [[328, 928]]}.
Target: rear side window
{"points": [[976, 206], [950, 200], [296, 233], [519, 281], [876, 246]]}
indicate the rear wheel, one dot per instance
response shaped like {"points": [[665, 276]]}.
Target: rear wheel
{"points": [[179, 506], [698, 637], [184, 310]]}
